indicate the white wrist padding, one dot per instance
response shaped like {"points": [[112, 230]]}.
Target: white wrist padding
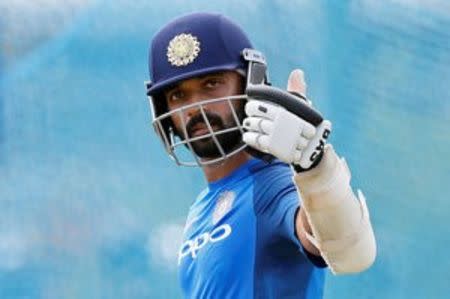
{"points": [[339, 221]]}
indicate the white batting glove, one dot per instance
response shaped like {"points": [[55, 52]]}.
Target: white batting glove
{"points": [[272, 129]]}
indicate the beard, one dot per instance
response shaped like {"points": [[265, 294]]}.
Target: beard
{"points": [[206, 147]]}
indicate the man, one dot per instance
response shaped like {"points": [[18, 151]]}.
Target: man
{"points": [[278, 207]]}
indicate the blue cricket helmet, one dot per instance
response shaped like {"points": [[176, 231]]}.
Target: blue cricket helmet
{"points": [[194, 45]]}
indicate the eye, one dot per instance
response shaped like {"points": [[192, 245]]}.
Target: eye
{"points": [[175, 95], [212, 82]]}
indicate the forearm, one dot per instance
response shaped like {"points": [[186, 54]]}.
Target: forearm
{"points": [[302, 228], [337, 223]]}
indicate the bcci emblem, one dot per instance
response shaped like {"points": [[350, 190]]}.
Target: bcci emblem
{"points": [[183, 49], [223, 205]]}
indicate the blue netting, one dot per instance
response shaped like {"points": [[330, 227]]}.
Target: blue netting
{"points": [[90, 203]]}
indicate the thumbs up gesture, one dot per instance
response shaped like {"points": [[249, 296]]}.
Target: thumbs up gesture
{"points": [[272, 129]]}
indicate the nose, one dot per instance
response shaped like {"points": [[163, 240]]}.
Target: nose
{"points": [[194, 103]]}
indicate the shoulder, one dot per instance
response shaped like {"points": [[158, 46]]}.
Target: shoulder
{"points": [[271, 170], [271, 181]]}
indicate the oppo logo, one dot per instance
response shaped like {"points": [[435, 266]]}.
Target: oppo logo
{"points": [[192, 247]]}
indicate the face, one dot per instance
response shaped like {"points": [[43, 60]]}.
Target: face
{"points": [[219, 114]]}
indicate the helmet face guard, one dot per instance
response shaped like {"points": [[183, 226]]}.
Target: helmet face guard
{"points": [[177, 146]]}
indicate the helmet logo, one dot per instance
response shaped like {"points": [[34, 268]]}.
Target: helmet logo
{"points": [[183, 49]]}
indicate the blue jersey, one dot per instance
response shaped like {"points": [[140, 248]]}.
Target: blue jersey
{"points": [[240, 241]]}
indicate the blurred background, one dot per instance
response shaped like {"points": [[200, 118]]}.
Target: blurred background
{"points": [[91, 206]]}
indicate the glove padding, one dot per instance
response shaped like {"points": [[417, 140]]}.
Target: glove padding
{"points": [[272, 129]]}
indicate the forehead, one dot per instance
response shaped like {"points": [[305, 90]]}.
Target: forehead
{"points": [[227, 75]]}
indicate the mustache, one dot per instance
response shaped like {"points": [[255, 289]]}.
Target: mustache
{"points": [[213, 118]]}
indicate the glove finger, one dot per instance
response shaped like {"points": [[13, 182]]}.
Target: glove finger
{"points": [[255, 140], [297, 156], [302, 143], [258, 124], [308, 130], [304, 161], [261, 109]]}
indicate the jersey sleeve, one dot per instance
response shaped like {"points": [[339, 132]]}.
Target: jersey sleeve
{"points": [[276, 203]]}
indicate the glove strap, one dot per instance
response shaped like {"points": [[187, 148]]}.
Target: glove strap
{"points": [[298, 169]]}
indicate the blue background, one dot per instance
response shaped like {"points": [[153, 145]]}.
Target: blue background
{"points": [[91, 206]]}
